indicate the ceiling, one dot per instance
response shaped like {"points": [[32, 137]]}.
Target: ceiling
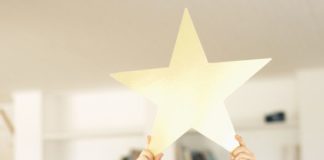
{"points": [[73, 44]]}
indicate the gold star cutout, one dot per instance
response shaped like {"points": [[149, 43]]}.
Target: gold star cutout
{"points": [[190, 93]]}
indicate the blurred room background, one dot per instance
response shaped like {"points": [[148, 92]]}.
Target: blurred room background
{"points": [[57, 101]]}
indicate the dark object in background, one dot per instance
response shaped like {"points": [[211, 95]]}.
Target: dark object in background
{"points": [[275, 117], [133, 155], [198, 156]]}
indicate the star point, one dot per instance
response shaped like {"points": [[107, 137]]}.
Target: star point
{"points": [[188, 51]]}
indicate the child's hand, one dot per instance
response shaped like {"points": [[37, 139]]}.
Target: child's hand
{"points": [[147, 154], [242, 152]]}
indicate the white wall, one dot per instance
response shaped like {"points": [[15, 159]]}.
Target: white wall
{"points": [[27, 120], [110, 110], [311, 101], [248, 105], [97, 124], [272, 144]]}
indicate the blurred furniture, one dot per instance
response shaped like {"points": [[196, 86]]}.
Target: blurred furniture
{"points": [[6, 136], [7, 121]]}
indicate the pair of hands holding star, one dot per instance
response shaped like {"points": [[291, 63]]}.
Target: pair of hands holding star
{"points": [[239, 153]]}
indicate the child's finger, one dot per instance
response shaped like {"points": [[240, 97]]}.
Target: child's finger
{"points": [[240, 140], [159, 156], [240, 149], [147, 154], [243, 156]]}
